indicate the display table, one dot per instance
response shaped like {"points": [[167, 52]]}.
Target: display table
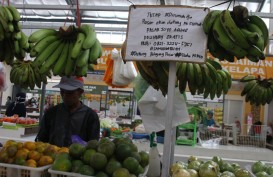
{"points": [[20, 133]]}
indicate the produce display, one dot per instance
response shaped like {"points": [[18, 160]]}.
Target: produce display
{"points": [[17, 120], [115, 158], [208, 79], [13, 42], [236, 34], [68, 51], [31, 154], [257, 91], [217, 167]]}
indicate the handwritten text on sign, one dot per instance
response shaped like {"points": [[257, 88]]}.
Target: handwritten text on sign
{"points": [[166, 33]]}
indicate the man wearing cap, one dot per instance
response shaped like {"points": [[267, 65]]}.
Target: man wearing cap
{"points": [[18, 106], [69, 118]]}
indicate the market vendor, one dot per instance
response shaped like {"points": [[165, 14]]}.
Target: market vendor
{"points": [[69, 118]]}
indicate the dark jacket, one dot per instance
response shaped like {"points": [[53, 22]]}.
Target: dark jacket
{"points": [[18, 108], [58, 125]]}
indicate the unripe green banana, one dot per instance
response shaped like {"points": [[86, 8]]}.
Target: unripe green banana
{"points": [[9, 16], [232, 30], [52, 59], [198, 74], [90, 36], [78, 45], [4, 23], [95, 52], [41, 58], [45, 42], [59, 66], [254, 19], [252, 37], [14, 12], [40, 34], [190, 73], [209, 20], [225, 41], [82, 59], [70, 64], [260, 42]]}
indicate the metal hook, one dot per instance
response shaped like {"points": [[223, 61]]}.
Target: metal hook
{"points": [[132, 4]]}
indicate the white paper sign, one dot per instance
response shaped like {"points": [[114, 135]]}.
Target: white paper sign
{"points": [[172, 33]]}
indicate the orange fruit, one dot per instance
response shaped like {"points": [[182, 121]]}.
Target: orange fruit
{"points": [[45, 160], [29, 145], [20, 145], [64, 149], [21, 153], [31, 163], [10, 142], [34, 155]]}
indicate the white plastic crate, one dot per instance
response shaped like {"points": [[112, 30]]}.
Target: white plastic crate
{"points": [[10, 170], [55, 173]]}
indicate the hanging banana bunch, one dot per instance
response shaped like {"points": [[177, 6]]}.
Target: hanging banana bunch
{"points": [[235, 34], [256, 90], [13, 42], [67, 51], [208, 79], [26, 75]]}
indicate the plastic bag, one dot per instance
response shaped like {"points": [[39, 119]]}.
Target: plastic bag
{"points": [[128, 70], [3, 81], [77, 139], [153, 110], [118, 78]]}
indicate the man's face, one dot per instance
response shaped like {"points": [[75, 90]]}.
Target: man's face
{"points": [[71, 97]]}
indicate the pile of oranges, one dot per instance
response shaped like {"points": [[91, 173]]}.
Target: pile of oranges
{"points": [[31, 154]]}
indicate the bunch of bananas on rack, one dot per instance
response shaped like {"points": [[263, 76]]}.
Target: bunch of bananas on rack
{"points": [[68, 51], [26, 75], [13, 42], [236, 34], [208, 79], [156, 73], [256, 90]]}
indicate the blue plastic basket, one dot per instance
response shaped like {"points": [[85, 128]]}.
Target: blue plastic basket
{"points": [[140, 135]]}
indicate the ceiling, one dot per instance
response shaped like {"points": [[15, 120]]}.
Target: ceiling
{"points": [[114, 12]]}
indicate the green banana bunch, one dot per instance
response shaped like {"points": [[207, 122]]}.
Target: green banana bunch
{"points": [[209, 79], [67, 51], [235, 34], [256, 90], [155, 73], [13, 41], [26, 75]]}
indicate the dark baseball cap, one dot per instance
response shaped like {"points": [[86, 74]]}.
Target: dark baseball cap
{"points": [[70, 83]]}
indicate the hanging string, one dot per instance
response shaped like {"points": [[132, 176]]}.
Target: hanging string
{"points": [[8, 2], [78, 23], [3, 2], [221, 3]]}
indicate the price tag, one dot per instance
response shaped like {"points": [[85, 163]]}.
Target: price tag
{"points": [[172, 33]]}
